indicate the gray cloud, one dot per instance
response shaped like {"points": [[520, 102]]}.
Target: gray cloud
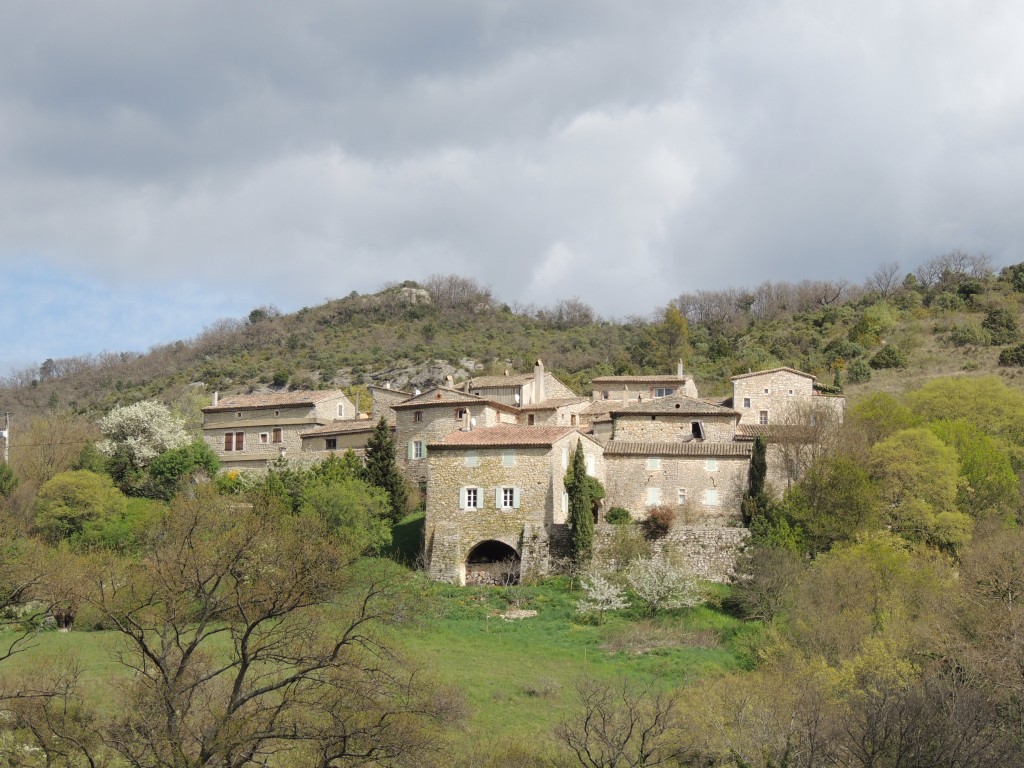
{"points": [[620, 152]]}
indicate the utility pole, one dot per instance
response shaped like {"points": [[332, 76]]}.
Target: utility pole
{"points": [[6, 435]]}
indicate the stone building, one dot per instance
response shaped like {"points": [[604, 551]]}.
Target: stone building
{"points": [[247, 431], [626, 389], [497, 500], [431, 415]]}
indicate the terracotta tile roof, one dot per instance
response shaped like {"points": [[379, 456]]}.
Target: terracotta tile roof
{"points": [[505, 435], [552, 404], [344, 427], [773, 370], [440, 396], [694, 448], [273, 400], [776, 433], [513, 380], [662, 379], [678, 405]]}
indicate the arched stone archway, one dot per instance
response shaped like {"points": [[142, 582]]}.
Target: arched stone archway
{"points": [[492, 562]]}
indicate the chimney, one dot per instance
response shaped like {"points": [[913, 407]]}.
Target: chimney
{"points": [[466, 426], [680, 374], [538, 382], [450, 381], [216, 397]]}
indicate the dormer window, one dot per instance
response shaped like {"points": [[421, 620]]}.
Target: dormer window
{"points": [[697, 430], [459, 413]]}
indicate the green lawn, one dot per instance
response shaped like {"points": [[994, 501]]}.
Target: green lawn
{"points": [[517, 677]]}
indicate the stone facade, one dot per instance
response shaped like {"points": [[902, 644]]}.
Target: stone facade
{"points": [[626, 389], [498, 485], [384, 401], [520, 390], [247, 431], [766, 397], [703, 483]]}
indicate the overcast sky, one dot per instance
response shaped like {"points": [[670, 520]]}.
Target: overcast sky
{"points": [[165, 163]]}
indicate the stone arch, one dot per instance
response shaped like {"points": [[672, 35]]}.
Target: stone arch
{"points": [[492, 562]]}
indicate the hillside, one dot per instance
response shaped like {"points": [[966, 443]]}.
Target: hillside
{"points": [[953, 315]]}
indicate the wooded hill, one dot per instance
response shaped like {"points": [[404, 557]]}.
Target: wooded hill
{"points": [[954, 314]]}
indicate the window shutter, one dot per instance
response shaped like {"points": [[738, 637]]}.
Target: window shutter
{"points": [[411, 453], [498, 498], [462, 498], [515, 498]]}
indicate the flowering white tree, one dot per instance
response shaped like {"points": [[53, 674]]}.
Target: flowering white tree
{"points": [[661, 585], [601, 595], [141, 432]]}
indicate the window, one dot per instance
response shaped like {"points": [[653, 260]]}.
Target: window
{"points": [[419, 449], [767, 391], [234, 441], [417, 415], [472, 459], [762, 417], [331, 443], [276, 435], [791, 393], [459, 413], [574, 420], [264, 437], [605, 395], [710, 465], [663, 391], [653, 497], [506, 498], [508, 458], [680, 495], [341, 410], [469, 498], [711, 497], [277, 413], [238, 415], [746, 402], [531, 420], [697, 430], [653, 463]]}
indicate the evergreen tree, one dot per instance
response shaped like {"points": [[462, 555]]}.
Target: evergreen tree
{"points": [[581, 516], [755, 502], [381, 470]]}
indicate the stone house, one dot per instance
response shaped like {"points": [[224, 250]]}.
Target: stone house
{"points": [[247, 431], [384, 400], [797, 421], [629, 388], [429, 416], [497, 499], [338, 437], [520, 390]]}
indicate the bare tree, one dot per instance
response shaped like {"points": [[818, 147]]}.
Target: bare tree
{"points": [[455, 292], [618, 725], [884, 280], [250, 635]]}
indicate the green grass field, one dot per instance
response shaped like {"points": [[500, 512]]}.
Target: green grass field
{"points": [[517, 677]]}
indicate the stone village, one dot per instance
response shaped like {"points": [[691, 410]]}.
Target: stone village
{"points": [[490, 456]]}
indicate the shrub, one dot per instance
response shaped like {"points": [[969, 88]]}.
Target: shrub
{"points": [[660, 585], [1012, 356], [858, 372], [948, 301], [281, 377], [970, 335], [618, 516], [659, 521], [888, 357], [1001, 323]]}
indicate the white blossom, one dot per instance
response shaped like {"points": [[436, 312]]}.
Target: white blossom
{"points": [[662, 585], [601, 595], [142, 431]]}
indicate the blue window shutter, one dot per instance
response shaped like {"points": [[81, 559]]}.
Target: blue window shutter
{"points": [[515, 498]]}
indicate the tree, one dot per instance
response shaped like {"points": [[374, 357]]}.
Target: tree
{"points": [[251, 634], [171, 467], [70, 502], [581, 516], [662, 586], [359, 513], [755, 501], [619, 725], [8, 480], [382, 471], [600, 595], [134, 435]]}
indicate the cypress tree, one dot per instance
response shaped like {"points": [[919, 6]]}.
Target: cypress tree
{"points": [[381, 470], [755, 501], [581, 518]]}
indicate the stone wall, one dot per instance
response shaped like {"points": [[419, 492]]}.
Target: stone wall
{"points": [[630, 478], [669, 428], [776, 392], [383, 401], [706, 552]]}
